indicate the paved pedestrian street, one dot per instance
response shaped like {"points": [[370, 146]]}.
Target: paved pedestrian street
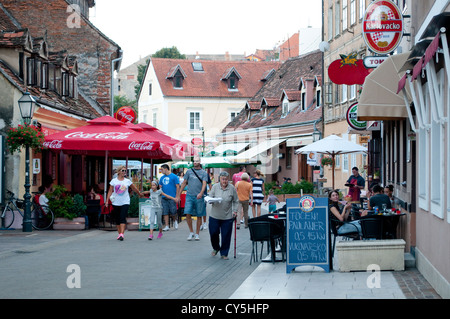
{"points": [[92, 264]]}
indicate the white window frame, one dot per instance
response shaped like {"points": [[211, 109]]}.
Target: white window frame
{"points": [[155, 117], [285, 107], [232, 115], [344, 93], [337, 19], [352, 92], [330, 23], [345, 162], [344, 15], [362, 8], [352, 12], [200, 120]]}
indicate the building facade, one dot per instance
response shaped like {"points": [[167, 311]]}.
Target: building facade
{"points": [[197, 98]]}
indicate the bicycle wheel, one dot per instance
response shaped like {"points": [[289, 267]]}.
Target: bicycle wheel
{"points": [[8, 217], [42, 219]]}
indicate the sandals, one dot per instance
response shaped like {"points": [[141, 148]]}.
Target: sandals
{"points": [[214, 253]]}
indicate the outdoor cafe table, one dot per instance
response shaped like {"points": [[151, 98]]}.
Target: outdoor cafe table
{"points": [[283, 218], [390, 222]]}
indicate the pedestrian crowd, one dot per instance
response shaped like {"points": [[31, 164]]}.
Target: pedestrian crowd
{"points": [[231, 200]]}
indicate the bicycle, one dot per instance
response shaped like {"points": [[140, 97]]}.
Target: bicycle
{"points": [[42, 217]]}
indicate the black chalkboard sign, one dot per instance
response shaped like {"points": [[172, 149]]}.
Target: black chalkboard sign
{"points": [[307, 233]]}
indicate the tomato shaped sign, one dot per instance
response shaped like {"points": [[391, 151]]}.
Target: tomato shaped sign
{"points": [[348, 70]]}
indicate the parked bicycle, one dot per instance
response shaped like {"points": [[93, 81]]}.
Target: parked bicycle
{"points": [[42, 217]]}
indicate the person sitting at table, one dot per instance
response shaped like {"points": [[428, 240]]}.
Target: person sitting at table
{"points": [[341, 213], [379, 198], [389, 190]]}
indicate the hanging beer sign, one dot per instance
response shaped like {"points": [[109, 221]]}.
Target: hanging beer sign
{"points": [[352, 118], [382, 26]]}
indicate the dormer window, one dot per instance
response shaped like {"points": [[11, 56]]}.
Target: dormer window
{"points": [[232, 82], [178, 81], [232, 77], [31, 71], [177, 75]]}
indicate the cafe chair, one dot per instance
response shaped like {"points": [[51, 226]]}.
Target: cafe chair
{"points": [[335, 224], [372, 228], [264, 230], [93, 211]]}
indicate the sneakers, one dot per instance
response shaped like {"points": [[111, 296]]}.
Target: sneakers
{"points": [[159, 235], [204, 226], [167, 228], [150, 237], [175, 224], [196, 237], [120, 237], [190, 237]]}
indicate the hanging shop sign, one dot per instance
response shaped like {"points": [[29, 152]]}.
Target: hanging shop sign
{"points": [[348, 70], [374, 61], [125, 114], [382, 26], [352, 118]]}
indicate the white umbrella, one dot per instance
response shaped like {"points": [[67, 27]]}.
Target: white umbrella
{"points": [[332, 145]]}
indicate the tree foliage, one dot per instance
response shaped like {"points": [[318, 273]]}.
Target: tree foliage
{"points": [[169, 53]]}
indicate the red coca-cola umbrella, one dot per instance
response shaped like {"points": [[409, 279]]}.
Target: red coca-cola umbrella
{"points": [[106, 134], [180, 148]]}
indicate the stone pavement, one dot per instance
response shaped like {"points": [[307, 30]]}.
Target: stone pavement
{"points": [[38, 265]]}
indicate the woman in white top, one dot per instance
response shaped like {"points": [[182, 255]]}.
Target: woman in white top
{"points": [[120, 199]]}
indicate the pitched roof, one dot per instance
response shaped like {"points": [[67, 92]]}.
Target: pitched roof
{"points": [[79, 106], [286, 80], [210, 82]]}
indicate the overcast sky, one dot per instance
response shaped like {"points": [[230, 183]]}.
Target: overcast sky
{"points": [[142, 27]]}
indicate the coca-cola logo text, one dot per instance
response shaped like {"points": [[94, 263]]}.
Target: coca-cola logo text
{"points": [[146, 146], [125, 114], [105, 136], [56, 144]]}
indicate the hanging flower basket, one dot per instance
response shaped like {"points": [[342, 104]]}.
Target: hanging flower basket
{"points": [[24, 135], [327, 161]]}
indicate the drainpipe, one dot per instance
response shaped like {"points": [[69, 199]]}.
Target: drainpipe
{"points": [[112, 80]]}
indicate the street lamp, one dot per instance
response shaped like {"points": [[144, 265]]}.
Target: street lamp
{"points": [[27, 105]]}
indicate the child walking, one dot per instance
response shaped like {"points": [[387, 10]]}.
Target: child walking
{"points": [[155, 196], [272, 201]]}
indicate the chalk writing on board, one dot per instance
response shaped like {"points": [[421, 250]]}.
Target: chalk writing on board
{"points": [[307, 236]]}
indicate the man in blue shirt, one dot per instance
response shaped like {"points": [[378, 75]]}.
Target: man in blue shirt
{"points": [[170, 184]]}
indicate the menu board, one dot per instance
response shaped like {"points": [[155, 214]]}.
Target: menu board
{"points": [[307, 233], [145, 207]]}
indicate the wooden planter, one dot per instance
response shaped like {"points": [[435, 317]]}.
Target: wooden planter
{"points": [[78, 223]]}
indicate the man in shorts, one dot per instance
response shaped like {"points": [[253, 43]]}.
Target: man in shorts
{"points": [[195, 179], [170, 185]]}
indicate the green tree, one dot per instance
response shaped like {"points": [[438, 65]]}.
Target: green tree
{"points": [[165, 53], [169, 53], [140, 77]]}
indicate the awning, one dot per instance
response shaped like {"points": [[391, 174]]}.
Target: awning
{"points": [[216, 162], [379, 99], [228, 149], [299, 141], [252, 155]]}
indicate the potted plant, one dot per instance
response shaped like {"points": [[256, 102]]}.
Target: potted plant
{"points": [[327, 161], [67, 214], [24, 135]]}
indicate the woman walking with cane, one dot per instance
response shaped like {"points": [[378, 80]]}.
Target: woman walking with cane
{"points": [[222, 215]]}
